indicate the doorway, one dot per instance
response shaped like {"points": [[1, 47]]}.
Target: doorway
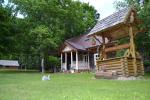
{"points": [[68, 61]]}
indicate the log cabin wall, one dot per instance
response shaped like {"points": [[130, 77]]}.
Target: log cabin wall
{"points": [[123, 66], [111, 65], [139, 64]]}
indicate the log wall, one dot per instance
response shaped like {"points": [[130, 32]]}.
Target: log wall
{"points": [[123, 66]]}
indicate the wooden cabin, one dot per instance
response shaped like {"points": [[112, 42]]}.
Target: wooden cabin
{"points": [[122, 24], [80, 53], [9, 64]]}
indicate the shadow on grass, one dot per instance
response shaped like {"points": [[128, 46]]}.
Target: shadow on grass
{"points": [[147, 75], [15, 71]]}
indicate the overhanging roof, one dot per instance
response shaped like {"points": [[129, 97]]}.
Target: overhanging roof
{"points": [[82, 42], [9, 63], [113, 26]]}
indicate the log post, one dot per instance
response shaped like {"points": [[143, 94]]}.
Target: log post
{"points": [[126, 66], [142, 67], [102, 51], [132, 45], [123, 67], [132, 49]]}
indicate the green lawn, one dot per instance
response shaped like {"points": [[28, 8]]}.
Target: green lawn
{"points": [[28, 86]]}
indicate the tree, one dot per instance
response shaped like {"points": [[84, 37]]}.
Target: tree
{"points": [[66, 18], [1, 2], [41, 42], [54, 62], [6, 34], [46, 24]]}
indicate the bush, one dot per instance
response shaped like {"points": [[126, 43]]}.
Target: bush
{"points": [[120, 53], [146, 63], [54, 61]]}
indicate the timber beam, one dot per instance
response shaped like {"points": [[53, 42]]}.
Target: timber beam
{"points": [[118, 47]]}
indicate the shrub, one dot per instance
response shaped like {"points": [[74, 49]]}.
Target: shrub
{"points": [[146, 63], [54, 61]]}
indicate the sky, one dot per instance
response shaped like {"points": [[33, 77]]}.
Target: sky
{"points": [[104, 7]]}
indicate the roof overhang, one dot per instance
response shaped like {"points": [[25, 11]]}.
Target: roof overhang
{"points": [[9, 63], [116, 32], [119, 30]]}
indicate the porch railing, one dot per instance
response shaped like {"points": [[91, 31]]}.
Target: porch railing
{"points": [[81, 65]]}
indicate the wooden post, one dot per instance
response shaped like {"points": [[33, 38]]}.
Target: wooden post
{"points": [[142, 68], [123, 67], [88, 61], [126, 66], [61, 60], [65, 61], [102, 52], [77, 63], [132, 49], [71, 60]]}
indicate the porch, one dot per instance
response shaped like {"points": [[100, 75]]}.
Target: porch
{"points": [[75, 60]]}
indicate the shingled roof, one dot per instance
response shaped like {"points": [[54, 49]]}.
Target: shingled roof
{"points": [[110, 21], [82, 42], [9, 63]]}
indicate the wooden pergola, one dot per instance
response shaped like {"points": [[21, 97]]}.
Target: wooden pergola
{"points": [[131, 63]]}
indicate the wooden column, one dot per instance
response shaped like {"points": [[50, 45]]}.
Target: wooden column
{"points": [[132, 49], [71, 60], [102, 51], [65, 61], [88, 61], [77, 62], [61, 61]]}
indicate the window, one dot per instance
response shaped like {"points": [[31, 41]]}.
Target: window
{"points": [[85, 58], [96, 57]]}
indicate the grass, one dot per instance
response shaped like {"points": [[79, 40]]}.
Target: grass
{"points": [[28, 86]]}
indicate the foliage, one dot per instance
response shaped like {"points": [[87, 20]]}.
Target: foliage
{"points": [[41, 40], [76, 17], [146, 63], [1, 2], [6, 38], [29, 61], [54, 61], [120, 4], [120, 53]]}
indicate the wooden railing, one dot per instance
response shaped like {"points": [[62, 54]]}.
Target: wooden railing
{"points": [[81, 65]]}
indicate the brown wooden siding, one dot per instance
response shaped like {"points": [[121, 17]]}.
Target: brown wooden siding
{"points": [[123, 66]]}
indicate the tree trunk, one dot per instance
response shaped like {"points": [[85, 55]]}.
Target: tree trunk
{"points": [[42, 65], [54, 69]]}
